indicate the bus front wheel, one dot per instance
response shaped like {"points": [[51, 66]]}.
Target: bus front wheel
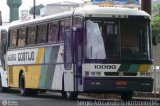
{"points": [[64, 94], [72, 95], [23, 90], [126, 96]]}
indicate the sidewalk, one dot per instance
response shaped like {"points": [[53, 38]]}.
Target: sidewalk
{"points": [[147, 96]]}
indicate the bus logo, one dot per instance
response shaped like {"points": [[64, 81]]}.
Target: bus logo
{"points": [[105, 66]]}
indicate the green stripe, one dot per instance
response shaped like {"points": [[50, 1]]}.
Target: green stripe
{"points": [[124, 67], [43, 77], [134, 68], [44, 70], [51, 68]]}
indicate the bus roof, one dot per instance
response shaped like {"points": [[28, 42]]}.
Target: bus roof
{"points": [[6, 27], [88, 12], [108, 11]]}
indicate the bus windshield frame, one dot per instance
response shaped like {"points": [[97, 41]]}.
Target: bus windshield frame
{"points": [[118, 39]]}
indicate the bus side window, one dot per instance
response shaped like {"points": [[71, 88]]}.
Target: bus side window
{"points": [[21, 37], [13, 38], [61, 33], [31, 35], [67, 23], [52, 32], [42, 33], [64, 24]]}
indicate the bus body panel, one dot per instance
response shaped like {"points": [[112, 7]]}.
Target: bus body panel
{"points": [[43, 67], [116, 77], [118, 84], [128, 68], [44, 63]]}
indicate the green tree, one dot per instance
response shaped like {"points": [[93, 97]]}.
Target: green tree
{"points": [[156, 21], [156, 16], [37, 9]]}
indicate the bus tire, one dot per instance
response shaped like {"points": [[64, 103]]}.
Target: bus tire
{"points": [[23, 90], [3, 89], [42, 91], [72, 95], [64, 94], [127, 96], [33, 92]]}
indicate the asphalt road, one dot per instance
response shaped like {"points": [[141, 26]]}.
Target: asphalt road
{"points": [[14, 98], [54, 99]]}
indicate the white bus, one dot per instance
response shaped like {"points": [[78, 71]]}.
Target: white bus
{"points": [[90, 50]]}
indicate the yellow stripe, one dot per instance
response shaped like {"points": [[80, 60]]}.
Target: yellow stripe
{"points": [[13, 75], [34, 71], [40, 55], [144, 68]]}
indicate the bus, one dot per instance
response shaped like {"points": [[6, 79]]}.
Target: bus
{"points": [[86, 50]]}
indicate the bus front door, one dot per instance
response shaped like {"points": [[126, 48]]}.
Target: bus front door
{"points": [[78, 57], [73, 50], [68, 61]]}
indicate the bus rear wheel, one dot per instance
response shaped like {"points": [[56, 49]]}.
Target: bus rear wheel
{"points": [[127, 96], [24, 91], [72, 95]]}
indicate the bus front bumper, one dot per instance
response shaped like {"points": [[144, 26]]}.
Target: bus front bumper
{"points": [[117, 84]]}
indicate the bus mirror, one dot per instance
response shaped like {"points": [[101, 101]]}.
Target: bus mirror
{"points": [[154, 40]]}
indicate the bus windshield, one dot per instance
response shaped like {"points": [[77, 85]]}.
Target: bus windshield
{"points": [[125, 39]]}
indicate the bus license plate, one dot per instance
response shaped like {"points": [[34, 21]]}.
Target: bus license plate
{"points": [[121, 83]]}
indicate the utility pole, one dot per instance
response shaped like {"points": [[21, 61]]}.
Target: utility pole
{"points": [[34, 9], [146, 6]]}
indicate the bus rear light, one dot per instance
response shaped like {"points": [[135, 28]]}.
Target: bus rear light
{"points": [[93, 73], [98, 73]]}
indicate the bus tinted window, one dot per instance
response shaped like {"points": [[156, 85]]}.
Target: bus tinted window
{"points": [[31, 37], [64, 24], [42, 33], [67, 24], [21, 37], [13, 38], [61, 34], [52, 32]]}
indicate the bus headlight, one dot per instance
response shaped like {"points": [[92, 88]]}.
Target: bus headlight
{"points": [[86, 73], [96, 73], [146, 74]]}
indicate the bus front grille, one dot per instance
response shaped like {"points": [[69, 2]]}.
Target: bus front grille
{"points": [[118, 74]]}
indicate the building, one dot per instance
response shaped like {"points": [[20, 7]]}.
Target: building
{"points": [[113, 3], [25, 15], [58, 8]]}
